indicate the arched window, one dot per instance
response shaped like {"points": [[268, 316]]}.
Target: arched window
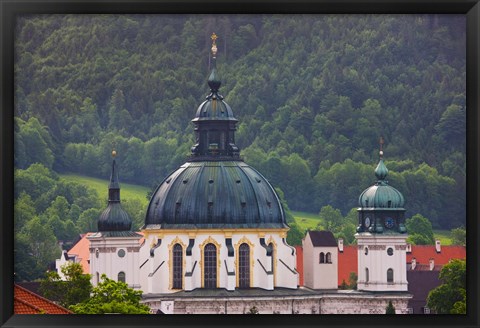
{"points": [[210, 266], [177, 266], [390, 276], [244, 266], [322, 257], [121, 276], [329, 257], [367, 275]]}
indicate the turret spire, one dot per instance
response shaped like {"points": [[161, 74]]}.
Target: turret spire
{"points": [[213, 80], [114, 186], [381, 170], [114, 218]]}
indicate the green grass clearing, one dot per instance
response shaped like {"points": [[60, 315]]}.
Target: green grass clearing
{"points": [[306, 220], [444, 236], [127, 191]]}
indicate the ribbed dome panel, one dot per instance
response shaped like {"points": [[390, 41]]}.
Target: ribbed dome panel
{"points": [[214, 194]]}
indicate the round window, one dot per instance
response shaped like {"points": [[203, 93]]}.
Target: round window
{"points": [[121, 253], [390, 251]]}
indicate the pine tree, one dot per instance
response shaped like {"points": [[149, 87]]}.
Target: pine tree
{"points": [[390, 309]]}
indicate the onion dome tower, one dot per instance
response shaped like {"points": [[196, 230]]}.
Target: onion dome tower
{"points": [[215, 217], [114, 218], [381, 236], [114, 249], [381, 205]]}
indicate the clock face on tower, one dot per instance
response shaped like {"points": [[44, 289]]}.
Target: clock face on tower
{"points": [[389, 222], [367, 222]]}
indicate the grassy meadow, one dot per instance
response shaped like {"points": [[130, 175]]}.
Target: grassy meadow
{"points": [[127, 191]]}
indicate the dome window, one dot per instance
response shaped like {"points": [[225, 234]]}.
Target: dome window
{"points": [[238, 181], [210, 181], [389, 203], [258, 180], [185, 181], [168, 180]]}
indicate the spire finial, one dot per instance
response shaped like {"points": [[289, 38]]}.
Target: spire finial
{"points": [[214, 38], [213, 80], [381, 171], [381, 147]]}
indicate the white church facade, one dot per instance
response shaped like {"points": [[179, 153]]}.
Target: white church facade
{"points": [[214, 239]]}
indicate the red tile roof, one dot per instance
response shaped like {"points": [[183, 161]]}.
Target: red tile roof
{"points": [[81, 250], [27, 302], [299, 251], [423, 254]]}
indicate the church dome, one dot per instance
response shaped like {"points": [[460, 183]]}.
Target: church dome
{"points": [[215, 194], [381, 194], [114, 218], [215, 188]]}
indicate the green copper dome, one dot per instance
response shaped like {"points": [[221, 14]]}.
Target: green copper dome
{"points": [[381, 194], [215, 194]]}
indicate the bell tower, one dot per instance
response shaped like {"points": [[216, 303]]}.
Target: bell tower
{"points": [[381, 235]]}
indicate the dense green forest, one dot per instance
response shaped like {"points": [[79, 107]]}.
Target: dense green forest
{"points": [[312, 93]]}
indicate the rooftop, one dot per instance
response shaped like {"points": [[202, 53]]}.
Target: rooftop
{"points": [[27, 302]]}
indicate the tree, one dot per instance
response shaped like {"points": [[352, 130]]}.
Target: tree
{"points": [[253, 310], [112, 296], [459, 236], [390, 309], [74, 288], [352, 280], [42, 244], [444, 298], [421, 226], [332, 218]]}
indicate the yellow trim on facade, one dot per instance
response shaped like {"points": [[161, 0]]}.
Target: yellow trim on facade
{"points": [[202, 261], [251, 245], [177, 240], [225, 232]]}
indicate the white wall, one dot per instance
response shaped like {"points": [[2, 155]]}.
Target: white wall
{"points": [[378, 262]]}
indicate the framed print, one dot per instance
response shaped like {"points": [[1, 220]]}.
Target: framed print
{"points": [[187, 162]]}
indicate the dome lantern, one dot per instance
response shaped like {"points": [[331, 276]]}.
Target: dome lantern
{"points": [[214, 122]]}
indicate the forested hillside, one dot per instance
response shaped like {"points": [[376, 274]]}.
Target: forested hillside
{"points": [[312, 94]]}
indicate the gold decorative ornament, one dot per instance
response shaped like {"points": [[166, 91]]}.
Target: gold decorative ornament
{"points": [[214, 38], [207, 241], [243, 240], [177, 240]]}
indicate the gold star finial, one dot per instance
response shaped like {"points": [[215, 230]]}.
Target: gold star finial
{"points": [[214, 38]]}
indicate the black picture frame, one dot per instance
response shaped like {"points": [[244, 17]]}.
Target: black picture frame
{"points": [[9, 9]]}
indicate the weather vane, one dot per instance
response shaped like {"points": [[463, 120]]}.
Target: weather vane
{"points": [[214, 38]]}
